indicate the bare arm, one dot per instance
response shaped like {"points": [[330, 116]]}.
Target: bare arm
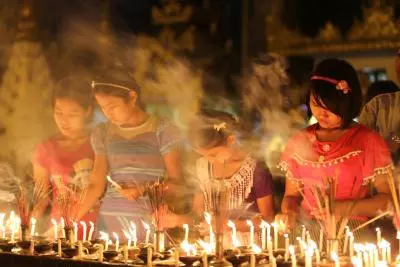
{"points": [[369, 207], [96, 187], [41, 178], [290, 204], [172, 161]]}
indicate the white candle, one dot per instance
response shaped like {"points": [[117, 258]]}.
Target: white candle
{"points": [[59, 248], [268, 231], [91, 231], [335, 258], [317, 256], [116, 241], [270, 248], [2, 226], [63, 228], [231, 225], [128, 238], [205, 259], [55, 229], [263, 227], [366, 259], [275, 236], [147, 228], [286, 247], [321, 239], [303, 233], [252, 260], [346, 239], [80, 249], [356, 262], [378, 235], [33, 225], [293, 256], [75, 232], [84, 229], [207, 217], [250, 224], [177, 262], [132, 230], [351, 244], [186, 227], [309, 255], [125, 254], [101, 253], [149, 256]]}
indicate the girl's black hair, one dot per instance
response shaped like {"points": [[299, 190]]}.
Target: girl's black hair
{"points": [[117, 85], [204, 131], [346, 106], [74, 88]]}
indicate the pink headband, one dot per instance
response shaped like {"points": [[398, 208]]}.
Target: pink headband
{"points": [[341, 85]]}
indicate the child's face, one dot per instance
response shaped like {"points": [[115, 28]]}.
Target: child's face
{"points": [[116, 109], [70, 117], [219, 154], [325, 118]]}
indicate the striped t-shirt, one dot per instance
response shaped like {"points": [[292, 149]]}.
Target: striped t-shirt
{"points": [[135, 156]]}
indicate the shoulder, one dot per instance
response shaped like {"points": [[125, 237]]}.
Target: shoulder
{"points": [[366, 133]]}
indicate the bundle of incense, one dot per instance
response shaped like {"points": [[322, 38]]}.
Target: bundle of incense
{"points": [[156, 194], [28, 203]]}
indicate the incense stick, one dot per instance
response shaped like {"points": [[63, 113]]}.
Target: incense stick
{"points": [[371, 221]]}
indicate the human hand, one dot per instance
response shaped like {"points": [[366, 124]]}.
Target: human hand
{"points": [[131, 193]]}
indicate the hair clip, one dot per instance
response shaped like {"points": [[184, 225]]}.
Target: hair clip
{"points": [[111, 85], [93, 84], [220, 126], [343, 86]]}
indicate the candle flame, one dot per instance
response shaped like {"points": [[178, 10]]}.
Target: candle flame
{"points": [[127, 235], [356, 262], [231, 224], [207, 247], [103, 235], [54, 222], [334, 256], [83, 224], [146, 226], [207, 217], [256, 249], [91, 224], [190, 249], [186, 227], [384, 244], [115, 236], [133, 225], [264, 224], [292, 250], [33, 220], [249, 223]]}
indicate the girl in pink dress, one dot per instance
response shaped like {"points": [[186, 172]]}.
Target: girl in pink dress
{"points": [[335, 146], [67, 157]]}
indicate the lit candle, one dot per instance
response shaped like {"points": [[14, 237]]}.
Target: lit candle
{"points": [[252, 260], [91, 231], [293, 256], [33, 225], [128, 238], [104, 236], [351, 244], [263, 227], [186, 227], [177, 262], [250, 224], [356, 262], [147, 228], [308, 237], [303, 233], [275, 236], [126, 254], [116, 241], [335, 258], [231, 225], [63, 227], [55, 229], [321, 239], [309, 255], [346, 239], [149, 257], [207, 217], [84, 229], [366, 259], [75, 231], [286, 247], [101, 253], [317, 256], [59, 248], [205, 258], [2, 226], [378, 235], [132, 230]]}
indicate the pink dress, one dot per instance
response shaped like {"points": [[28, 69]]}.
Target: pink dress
{"points": [[355, 159], [66, 167]]}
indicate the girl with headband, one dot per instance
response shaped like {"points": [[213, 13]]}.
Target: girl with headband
{"points": [[132, 149], [338, 148]]}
